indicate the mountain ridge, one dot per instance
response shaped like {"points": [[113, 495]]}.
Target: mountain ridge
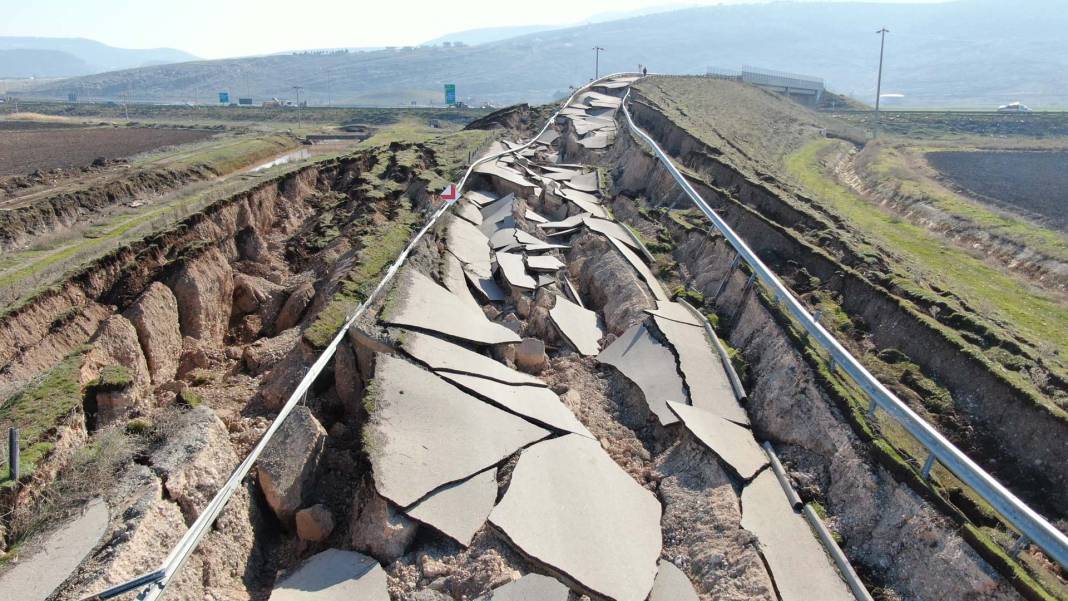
{"points": [[964, 53], [27, 56]]}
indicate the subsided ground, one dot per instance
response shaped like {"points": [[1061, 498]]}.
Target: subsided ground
{"points": [[976, 283]]}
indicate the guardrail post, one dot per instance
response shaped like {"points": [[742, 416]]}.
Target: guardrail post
{"points": [[927, 466], [745, 296], [13, 453], [727, 278], [872, 407]]}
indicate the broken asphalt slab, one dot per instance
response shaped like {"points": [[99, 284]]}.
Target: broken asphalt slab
{"points": [[458, 510], [534, 402], [734, 444], [532, 587], [471, 246], [572, 508], [671, 584], [798, 563], [334, 575], [419, 302], [650, 366], [702, 368], [515, 271], [439, 354], [424, 433], [578, 325]]}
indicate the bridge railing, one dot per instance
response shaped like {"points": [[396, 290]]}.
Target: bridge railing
{"points": [[1032, 526]]}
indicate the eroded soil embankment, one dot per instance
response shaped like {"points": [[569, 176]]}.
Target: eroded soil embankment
{"points": [[895, 533], [22, 224], [855, 170], [1008, 427], [172, 353]]}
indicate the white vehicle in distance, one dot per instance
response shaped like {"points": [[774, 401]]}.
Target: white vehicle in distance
{"points": [[1014, 107]]}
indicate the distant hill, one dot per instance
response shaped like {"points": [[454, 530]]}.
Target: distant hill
{"points": [[66, 57], [485, 35], [965, 53], [20, 62]]}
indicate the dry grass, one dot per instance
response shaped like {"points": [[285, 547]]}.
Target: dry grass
{"points": [[23, 116]]}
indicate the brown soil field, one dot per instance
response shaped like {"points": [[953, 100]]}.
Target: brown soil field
{"points": [[26, 150], [1034, 182]]}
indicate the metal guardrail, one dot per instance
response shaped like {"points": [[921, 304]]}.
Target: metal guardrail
{"points": [[158, 580], [1032, 526]]}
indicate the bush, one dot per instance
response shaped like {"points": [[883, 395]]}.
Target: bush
{"points": [[112, 377], [189, 398], [693, 297]]}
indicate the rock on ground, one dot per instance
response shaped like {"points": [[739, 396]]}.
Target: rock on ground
{"points": [[530, 355], [378, 528], [195, 461], [155, 317], [288, 464], [115, 344], [315, 523], [294, 307], [258, 296], [204, 289], [265, 353]]}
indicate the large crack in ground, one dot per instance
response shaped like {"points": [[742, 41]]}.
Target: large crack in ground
{"points": [[335, 479]]}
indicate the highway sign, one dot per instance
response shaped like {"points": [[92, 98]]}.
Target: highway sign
{"points": [[450, 193], [450, 93], [224, 97]]}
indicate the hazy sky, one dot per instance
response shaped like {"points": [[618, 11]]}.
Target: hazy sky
{"points": [[221, 28]]}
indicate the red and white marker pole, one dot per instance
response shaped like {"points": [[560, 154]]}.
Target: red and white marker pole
{"points": [[450, 194]]}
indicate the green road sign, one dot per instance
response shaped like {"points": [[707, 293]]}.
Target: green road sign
{"points": [[450, 93]]}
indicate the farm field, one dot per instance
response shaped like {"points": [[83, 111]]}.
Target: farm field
{"points": [[25, 149], [928, 124], [1032, 182], [252, 116]]}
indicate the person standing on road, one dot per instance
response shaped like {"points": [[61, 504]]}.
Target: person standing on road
{"points": [[644, 71]]}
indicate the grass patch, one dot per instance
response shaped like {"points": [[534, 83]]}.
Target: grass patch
{"points": [[888, 164], [39, 407], [112, 377], [894, 449], [927, 258], [93, 469], [189, 398], [379, 249], [230, 154]]}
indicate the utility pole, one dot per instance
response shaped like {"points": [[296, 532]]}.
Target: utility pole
{"points": [[13, 454], [297, 89], [879, 84], [597, 50]]}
